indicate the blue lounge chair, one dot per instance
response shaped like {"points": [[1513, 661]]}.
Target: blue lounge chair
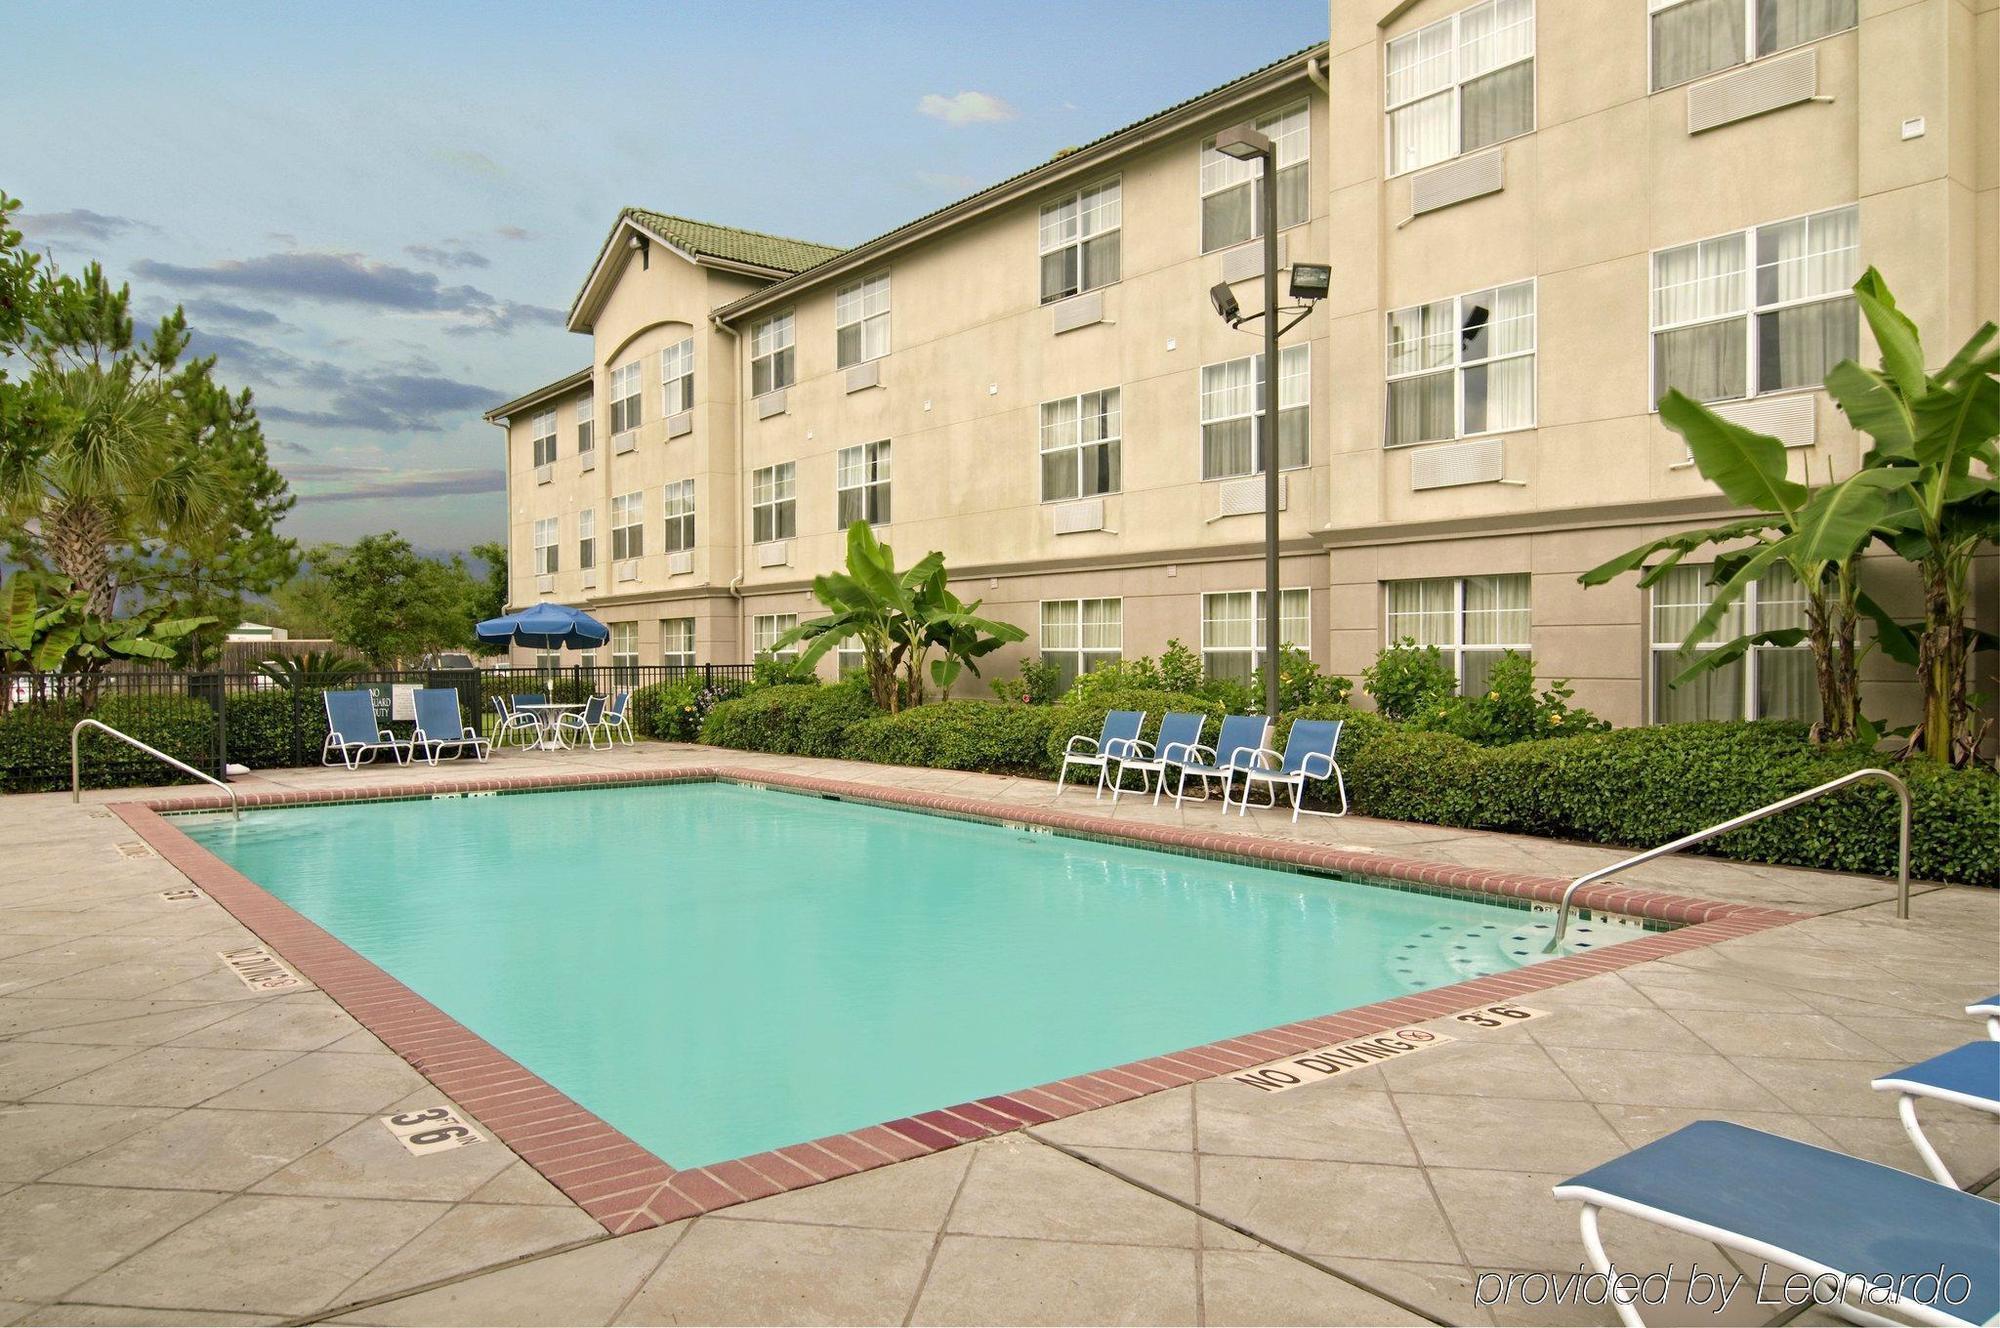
{"points": [[1175, 744], [1118, 737], [439, 726], [1990, 1010], [1968, 1076], [1234, 751], [1807, 1210], [618, 718], [522, 725], [1309, 754], [352, 733], [572, 724]]}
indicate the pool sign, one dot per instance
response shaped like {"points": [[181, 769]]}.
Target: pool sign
{"points": [[260, 970], [1324, 1063], [433, 1130], [1496, 1016]]}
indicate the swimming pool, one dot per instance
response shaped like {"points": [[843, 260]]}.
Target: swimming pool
{"points": [[716, 969]]}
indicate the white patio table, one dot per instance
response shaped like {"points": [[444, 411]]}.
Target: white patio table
{"points": [[547, 713]]}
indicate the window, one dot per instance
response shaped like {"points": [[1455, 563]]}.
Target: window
{"points": [[1079, 242], [586, 426], [861, 484], [849, 658], [545, 547], [677, 377], [773, 504], [771, 354], [766, 628], [1229, 395], [624, 650], [677, 642], [678, 500], [1080, 444], [1769, 682], [1462, 367], [1232, 209], [1232, 629], [625, 396], [1471, 620], [1461, 84], [1722, 330], [628, 525], [1080, 634], [548, 661], [586, 538], [1692, 38], [543, 437], [861, 320]]}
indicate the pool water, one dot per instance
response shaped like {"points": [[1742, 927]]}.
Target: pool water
{"points": [[717, 969]]}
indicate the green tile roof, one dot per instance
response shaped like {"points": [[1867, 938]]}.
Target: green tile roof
{"points": [[733, 244]]}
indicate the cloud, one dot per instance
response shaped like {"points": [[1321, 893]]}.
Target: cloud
{"points": [[471, 161], [437, 256], [236, 315], [382, 401], [80, 224], [353, 484], [340, 278], [964, 108], [240, 355], [514, 232]]}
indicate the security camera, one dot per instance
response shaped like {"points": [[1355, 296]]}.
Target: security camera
{"points": [[1224, 300]]}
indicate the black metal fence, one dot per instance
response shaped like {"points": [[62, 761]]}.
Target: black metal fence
{"points": [[213, 720]]}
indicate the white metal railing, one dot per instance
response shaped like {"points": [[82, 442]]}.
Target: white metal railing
{"points": [[1737, 822], [76, 762]]}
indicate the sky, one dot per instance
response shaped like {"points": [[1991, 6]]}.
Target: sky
{"points": [[376, 216]]}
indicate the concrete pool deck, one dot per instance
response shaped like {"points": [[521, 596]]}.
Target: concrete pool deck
{"points": [[175, 1147]]}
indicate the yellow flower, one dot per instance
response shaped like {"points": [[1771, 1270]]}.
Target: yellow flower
{"points": [[1555, 719], [1493, 696]]}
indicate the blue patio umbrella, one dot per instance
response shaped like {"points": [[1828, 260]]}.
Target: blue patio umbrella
{"points": [[545, 627]]}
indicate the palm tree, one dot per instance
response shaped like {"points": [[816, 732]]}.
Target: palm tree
{"points": [[95, 467]]}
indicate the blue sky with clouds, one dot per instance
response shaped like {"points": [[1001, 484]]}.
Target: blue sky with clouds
{"points": [[374, 214]]}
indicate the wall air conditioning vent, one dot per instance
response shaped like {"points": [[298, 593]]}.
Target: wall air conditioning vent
{"points": [[860, 377], [1457, 180], [1792, 420], [1244, 496], [1246, 261], [680, 425], [624, 442], [1481, 461], [680, 563], [545, 474], [1784, 80], [628, 570], [545, 584], [777, 553], [771, 403], [587, 460], [590, 578], [1077, 311], [1075, 518]]}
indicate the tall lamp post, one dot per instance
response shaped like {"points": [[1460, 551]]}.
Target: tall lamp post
{"points": [[1309, 284]]}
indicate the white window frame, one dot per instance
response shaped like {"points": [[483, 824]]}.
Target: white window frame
{"points": [[624, 642], [1746, 613], [586, 538], [1054, 438], [1219, 174], [863, 305], [627, 399], [773, 355], [1459, 364], [542, 438], [677, 377], [863, 469], [1091, 205], [1749, 53], [774, 492], [1752, 307], [586, 425], [1063, 643], [768, 627], [1456, 649], [1455, 88], [1300, 635], [677, 642], [677, 505], [1214, 410], [628, 525], [547, 536]]}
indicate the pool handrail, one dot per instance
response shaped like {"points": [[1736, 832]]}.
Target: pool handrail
{"points": [[76, 762], [1737, 822]]}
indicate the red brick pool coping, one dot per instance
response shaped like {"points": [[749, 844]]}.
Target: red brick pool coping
{"points": [[626, 1188]]}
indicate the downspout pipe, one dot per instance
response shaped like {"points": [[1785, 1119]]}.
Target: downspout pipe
{"points": [[742, 479], [1316, 72]]}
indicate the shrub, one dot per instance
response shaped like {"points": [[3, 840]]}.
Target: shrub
{"points": [[1039, 684], [34, 741], [781, 671], [1001, 736], [1510, 710], [1076, 716], [793, 719], [674, 711], [1407, 680], [1300, 683], [261, 725]]}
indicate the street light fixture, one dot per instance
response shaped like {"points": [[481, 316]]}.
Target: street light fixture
{"points": [[1309, 285]]}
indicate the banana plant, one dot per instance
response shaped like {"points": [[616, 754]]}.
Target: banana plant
{"points": [[898, 619], [48, 628]]}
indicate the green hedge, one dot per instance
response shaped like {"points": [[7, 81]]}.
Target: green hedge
{"points": [[260, 727], [1087, 717], [1000, 736], [34, 741], [793, 719]]}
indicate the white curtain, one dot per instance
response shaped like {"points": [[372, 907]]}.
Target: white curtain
{"points": [[1783, 23], [1499, 392], [1419, 91], [1695, 37], [1103, 626], [1694, 282], [1817, 255], [1423, 611], [1058, 448]]}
